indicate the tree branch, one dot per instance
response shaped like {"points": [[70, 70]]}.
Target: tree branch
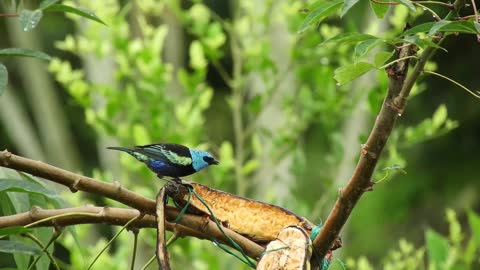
{"points": [[203, 227], [392, 108]]}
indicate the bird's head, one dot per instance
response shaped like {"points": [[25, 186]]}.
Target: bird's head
{"points": [[202, 159]]}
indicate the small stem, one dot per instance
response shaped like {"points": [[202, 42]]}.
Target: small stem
{"points": [[135, 244], [454, 82], [415, 3], [74, 214], [149, 262], [237, 103], [44, 249], [435, 15], [111, 240], [9, 15], [223, 73], [54, 237], [397, 60]]}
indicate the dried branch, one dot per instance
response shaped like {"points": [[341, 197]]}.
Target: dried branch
{"points": [[162, 253], [392, 108]]}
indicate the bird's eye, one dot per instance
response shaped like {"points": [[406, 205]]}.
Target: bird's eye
{"points": [[208, 159]]}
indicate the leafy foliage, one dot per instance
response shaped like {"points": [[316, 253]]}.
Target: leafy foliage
{"points": [[455, 251], [257, 86]]}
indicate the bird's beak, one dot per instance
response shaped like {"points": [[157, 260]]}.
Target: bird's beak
{"points": [[215, 162]]}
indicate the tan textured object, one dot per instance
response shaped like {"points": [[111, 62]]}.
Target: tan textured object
{"points": [[256, 220], [290, 251]]}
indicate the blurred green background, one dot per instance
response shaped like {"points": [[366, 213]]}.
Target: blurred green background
{"points": [[236, 78]]}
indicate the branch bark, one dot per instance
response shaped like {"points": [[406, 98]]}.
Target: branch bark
{"points": [[392, 108]]}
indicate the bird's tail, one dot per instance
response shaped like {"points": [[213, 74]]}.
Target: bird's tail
{"points": [[124, 149]]}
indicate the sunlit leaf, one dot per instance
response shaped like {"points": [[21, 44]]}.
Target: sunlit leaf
{"points": [[408, 4], [379, 9], [320, 13], [79, 11], [474, 222], [350, 37], [437, 248], [381, 57], [29, 19], [18, 247], [364, 47], [440, 116], [348, 73], [25, 53]]}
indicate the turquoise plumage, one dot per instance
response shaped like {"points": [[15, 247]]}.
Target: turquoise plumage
{"points": [[168, 159]]}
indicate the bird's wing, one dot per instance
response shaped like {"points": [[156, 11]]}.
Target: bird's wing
{"points": [[173, 154]]}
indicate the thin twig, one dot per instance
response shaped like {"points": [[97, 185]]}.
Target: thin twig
{"points": [[435, 15], [415, 3], [57, 232], [152, 259], [134, 251], [454, 82], [44, 249], [162, 253], [9, 15], [111, 241]]}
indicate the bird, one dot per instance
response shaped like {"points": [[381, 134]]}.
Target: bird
{"points": [[170, 159]]}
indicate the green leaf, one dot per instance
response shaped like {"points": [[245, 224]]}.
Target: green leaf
{"points": [[408, 4], [467, 27], [381, 57], [79, 11], [18, 247], [29, 19], [437, 249], [320, 13], [364, 47], [440, 116], [250, 166], [197, 55], [474, 222], [255, 104], [459, 26], [436, 27], [422, 42], [14, 230], [348, 73], [379, 9], [46, 3], [347, 5], [424, 27], [25, 53], [351, 37], [3, 78], [477, 26], [26, 187]]}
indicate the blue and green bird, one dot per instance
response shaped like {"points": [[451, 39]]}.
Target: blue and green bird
{"points": [[169, 159]]}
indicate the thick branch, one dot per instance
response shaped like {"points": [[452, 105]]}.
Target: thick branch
{"points": [[360, 182], [75, 182]]}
